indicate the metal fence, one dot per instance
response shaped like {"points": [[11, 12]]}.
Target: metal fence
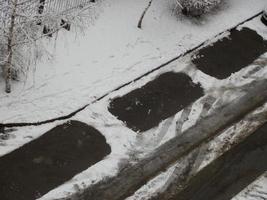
{"points": [[42, 7], [48, 10], [49, 13], [59, 6]]}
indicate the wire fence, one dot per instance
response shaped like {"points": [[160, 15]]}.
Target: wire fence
{"points": [[29, 13], [32, 8], [59, 6]]}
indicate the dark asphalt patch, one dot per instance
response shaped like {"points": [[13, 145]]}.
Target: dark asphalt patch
{"points": [[232, 172], [47, 162], [230, 54], [159, 99]]}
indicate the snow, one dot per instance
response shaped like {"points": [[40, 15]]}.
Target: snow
{"points": [[111, 52], [126, 144], [255, 191], [215, 148], [86, 66], [198, 7]]}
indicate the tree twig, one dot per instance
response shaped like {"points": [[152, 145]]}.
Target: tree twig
{"points": [[143, 15]]}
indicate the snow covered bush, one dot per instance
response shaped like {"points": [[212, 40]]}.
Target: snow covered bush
{"points": [[197, 7]]}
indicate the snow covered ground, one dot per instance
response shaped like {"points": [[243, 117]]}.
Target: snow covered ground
{"points": [[125, 142], [255, 191], [112, 51]]}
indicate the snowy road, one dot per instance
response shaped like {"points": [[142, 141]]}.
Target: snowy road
{"points": [[232, 172]]}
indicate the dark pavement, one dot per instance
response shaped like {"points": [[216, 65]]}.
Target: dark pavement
{"points": [[146, 107], [47, 162], [230, 54]]}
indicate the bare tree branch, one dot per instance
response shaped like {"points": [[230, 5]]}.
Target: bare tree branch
{"points": [[143, 15]]}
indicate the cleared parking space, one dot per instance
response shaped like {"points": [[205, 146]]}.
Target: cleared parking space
{"points": [[47, 162], [231, 53], [159, 99]]}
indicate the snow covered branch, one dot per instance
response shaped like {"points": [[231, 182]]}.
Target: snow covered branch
{"points": [[24, 22], [197, 7]]}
